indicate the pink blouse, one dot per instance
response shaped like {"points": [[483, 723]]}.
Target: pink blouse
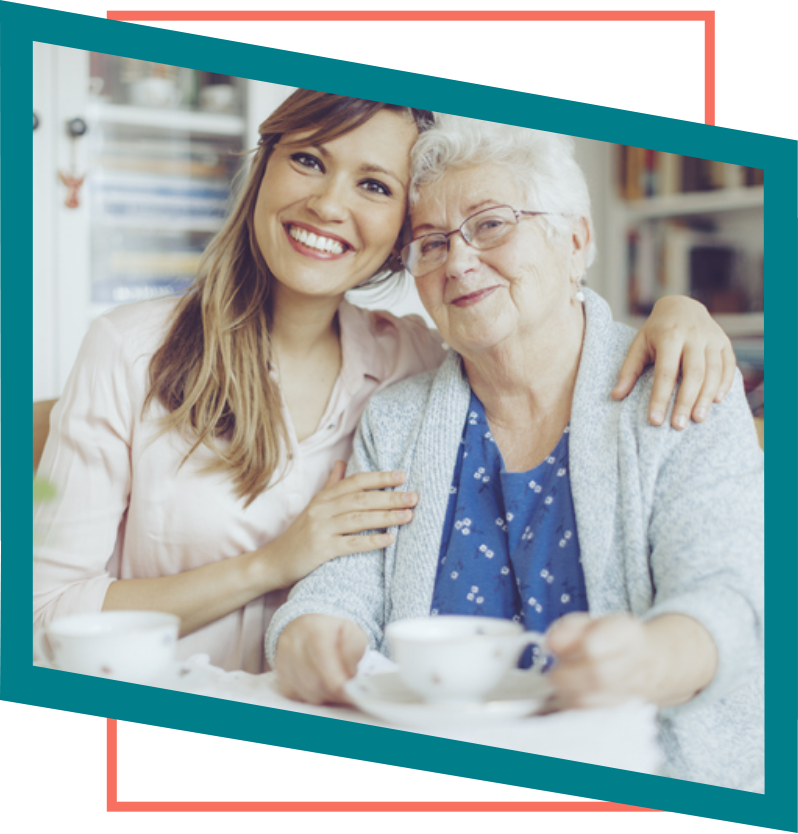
{"points": [[127, 508]]}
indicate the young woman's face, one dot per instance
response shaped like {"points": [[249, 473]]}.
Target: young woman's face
{"points": [[328, 216]]}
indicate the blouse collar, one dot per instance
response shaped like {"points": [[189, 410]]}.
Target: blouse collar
{"points": [[360, 353]]}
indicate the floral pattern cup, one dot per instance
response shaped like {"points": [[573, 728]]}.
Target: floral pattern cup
{"points": [[457, 659], [133, 646]]}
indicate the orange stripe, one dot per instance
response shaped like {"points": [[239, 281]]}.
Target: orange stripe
{"points": [[207, 15], [114, 805], [709, 68], [371, 807], [110, 765]]}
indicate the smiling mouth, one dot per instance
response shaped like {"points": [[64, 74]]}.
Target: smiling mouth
{"points": [[316, 242], [473, 297]]}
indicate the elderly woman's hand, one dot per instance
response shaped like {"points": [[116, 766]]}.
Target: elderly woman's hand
{"points": [[606, 661], [680, 332], [316, 655]]}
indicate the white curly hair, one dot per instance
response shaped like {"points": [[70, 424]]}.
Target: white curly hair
{"points": [[543, 162]]}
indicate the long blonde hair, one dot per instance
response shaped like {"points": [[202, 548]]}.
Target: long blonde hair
{"points": [[212, 371]]}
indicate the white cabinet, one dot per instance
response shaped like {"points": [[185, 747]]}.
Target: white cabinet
{"points": [[161, 148], [60, 234]]}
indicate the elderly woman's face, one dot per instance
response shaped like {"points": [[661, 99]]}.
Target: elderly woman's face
{"points": [[480, 299]]}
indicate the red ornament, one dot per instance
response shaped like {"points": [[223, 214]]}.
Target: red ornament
{"points": [[73, 184]]}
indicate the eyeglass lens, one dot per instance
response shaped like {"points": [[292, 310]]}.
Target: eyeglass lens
{"points": [[482, 230]]}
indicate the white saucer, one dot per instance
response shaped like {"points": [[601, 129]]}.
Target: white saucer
{"points": [[387, 697]]}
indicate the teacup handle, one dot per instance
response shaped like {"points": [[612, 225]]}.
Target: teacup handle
{"points": [[42, 647], [530, 637]]}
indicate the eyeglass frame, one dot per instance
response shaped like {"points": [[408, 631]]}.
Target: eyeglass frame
{"points": [[518, 213]]}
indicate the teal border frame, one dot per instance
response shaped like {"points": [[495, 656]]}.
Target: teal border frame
{"points": [[473, 772]]}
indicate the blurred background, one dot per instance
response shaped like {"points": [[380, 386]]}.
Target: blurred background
{"points": [[134, 164]]}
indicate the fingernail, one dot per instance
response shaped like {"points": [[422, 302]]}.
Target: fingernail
{"points": [[405, 514], [700, 413], [656, 417], [680, 421], [399, 475], [720, 396], [412, 497]]}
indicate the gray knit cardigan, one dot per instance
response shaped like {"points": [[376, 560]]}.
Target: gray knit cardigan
{"points": [[668, 522]]}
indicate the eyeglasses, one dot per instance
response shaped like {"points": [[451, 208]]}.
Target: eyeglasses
{"points": [[484, 230]]}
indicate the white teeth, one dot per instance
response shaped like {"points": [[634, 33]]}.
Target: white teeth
{"points": [[313, 241]]}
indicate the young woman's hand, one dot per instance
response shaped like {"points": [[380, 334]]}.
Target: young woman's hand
{"points": [[680, 333], [330, 524], [608, 660], [316, 655], [326, 528]]}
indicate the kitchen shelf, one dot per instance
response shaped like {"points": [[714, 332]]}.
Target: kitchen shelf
{"points": [[186, 121], [735, 325], [159, 225], [696, 202]]}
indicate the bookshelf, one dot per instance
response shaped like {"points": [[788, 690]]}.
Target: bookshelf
{"points": [[164, 144], [680, 225]]}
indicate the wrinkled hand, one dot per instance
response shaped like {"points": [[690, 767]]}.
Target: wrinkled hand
{"points": [[329, 525], [316, 655], [680, 333], [600, 662]]}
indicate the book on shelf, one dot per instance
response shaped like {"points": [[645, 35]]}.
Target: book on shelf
{"points": [[176, 166], [171, 196], [165, 208], [124, 263], [157, 225], [670, 174], [750, 354], [671, 258], [163, 197], [175, 156], [119, 183], [116, 292], [171, 148], [645, 173], [756, 398]]}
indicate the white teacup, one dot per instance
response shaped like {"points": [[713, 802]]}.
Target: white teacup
{"points": [[133, 646], [454, 659], [155, 92], [218, 98]]}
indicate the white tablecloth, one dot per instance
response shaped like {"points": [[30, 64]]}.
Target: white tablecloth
{"points": [[623, 737]]}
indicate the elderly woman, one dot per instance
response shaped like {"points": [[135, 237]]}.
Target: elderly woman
{"points": [[540, 498]]}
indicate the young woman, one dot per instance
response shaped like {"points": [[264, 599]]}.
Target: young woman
{"points": [[198, 446]]}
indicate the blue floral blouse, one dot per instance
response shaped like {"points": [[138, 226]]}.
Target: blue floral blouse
{"points": [[509, 547]]}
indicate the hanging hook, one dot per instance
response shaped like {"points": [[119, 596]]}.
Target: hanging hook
{"points": [[75, 128]]}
